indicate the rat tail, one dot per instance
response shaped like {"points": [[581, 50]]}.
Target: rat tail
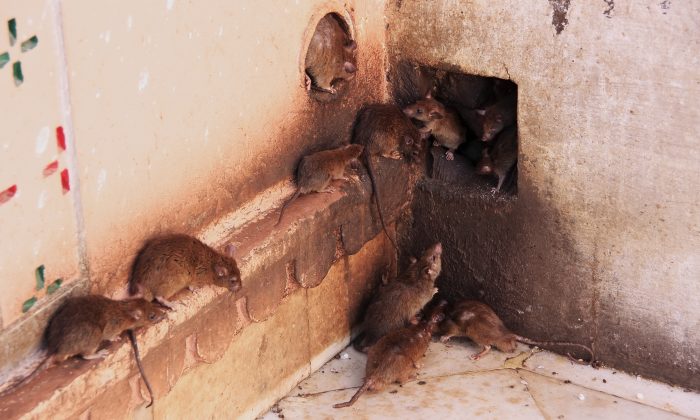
{"points": [[132, 338], [370, 170], [365, 386], [559, 343], [284, 207]]}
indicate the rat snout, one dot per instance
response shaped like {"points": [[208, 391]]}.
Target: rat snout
{"points": [[437, 248]]}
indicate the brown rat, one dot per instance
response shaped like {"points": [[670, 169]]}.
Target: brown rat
{"points": [[396, 356], [478, 322], [502, 157], [82, 324], [440, 121], [317, 170], [398, 302], [499, 115], [385, 132], [169, 263], [330, 56]]}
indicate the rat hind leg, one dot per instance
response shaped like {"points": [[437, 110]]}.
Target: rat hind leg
{"points": [[486, 348]]}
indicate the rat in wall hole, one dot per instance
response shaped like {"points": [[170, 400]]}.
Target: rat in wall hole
{"points": [[498, 116], [502, 157], [396, 356], [170, 263], [82, 324], [398, 302], [330, 56], [440, 121], [478, 322], [386, 133], [317, 170]]}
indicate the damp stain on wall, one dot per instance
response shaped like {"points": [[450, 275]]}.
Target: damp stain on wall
{"points": [[609, 11], [559, 10]]}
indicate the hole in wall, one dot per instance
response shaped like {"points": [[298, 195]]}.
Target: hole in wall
{"points": [[330, 61], [471, 122]]}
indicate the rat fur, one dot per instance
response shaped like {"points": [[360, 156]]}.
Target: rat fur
{"points": [[386, 133], [478, 322], [81, 324], [170, 263], [398, 302], [330, 56], [396, 356], [317, 170], [502, 156], [440, 121]]}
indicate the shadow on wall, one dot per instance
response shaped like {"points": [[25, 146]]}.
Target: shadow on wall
{"points": [[511, 251]]}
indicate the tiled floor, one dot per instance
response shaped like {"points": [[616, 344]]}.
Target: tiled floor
{"points": [[528, 384]]}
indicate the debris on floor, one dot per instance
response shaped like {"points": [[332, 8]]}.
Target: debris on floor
{"points": [[500, 385]]}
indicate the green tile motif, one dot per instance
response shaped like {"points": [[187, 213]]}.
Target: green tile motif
{"points": [[12, 29], [26, 45], [30, 43], [17, 73], [27, 305], [39, 274], [51, 289]]}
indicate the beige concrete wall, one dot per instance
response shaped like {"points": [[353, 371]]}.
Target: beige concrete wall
{"points": [[177, 116], [37, 223], [606, 226]]}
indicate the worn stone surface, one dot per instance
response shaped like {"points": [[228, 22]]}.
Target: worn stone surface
{"points": [[375, 261], [207, 347], [232, 387], [328, 309], [601, 243]]}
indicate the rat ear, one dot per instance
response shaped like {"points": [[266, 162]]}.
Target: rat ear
{"points": [[481, 112], [349, 67], [435, 115], [230, 250], [136, 314]]}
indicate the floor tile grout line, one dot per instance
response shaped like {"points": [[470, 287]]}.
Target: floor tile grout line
{"points": [[606, 393], [527, 389]]}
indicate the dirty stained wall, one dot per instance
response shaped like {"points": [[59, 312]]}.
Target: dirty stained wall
{"points": [[601, 244], [174, 116]]}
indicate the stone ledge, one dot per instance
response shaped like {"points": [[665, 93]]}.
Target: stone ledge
{"points": [[204, 324]]}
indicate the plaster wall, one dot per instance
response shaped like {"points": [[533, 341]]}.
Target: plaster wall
{"points": [[601, 244], [177, 116]]}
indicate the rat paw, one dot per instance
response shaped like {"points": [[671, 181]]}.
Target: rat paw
{"points": [[395, 155], [449, 155], [99, 355], [445, 338], [436, 144]]}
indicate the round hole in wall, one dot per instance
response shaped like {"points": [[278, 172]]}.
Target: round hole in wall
{"points": [[330, 61]]}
